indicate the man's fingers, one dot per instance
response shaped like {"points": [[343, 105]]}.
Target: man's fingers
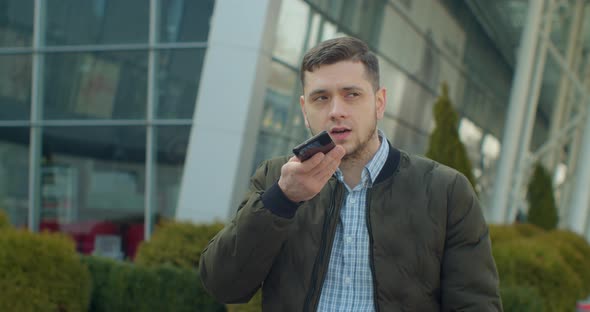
{"points": [[337, 152], [326, 168], [312, 162]]}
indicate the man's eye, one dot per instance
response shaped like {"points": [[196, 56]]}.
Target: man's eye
{"points": [[352, 95], [320, 98]]}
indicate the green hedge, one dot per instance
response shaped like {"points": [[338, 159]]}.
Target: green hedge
{"points": [[180, 244], [121, 286], [506, 233], [41, 272], [176, 243], [521, 299], [537, 264], [574, 254], [4, 220]]}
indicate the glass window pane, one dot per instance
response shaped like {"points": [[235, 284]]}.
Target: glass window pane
{"points": [[97, 85], [72, 22], [290, 37], [409, 139], [92, 186], [178, 82], [185, 20], [279, 96], [172, 142], [16, 23], [15, 87], [415, 106], [269, 145], [14, 173]]}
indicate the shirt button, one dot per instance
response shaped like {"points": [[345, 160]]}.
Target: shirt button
{"points": [[352, 200], [347, 280], [348, 239]]}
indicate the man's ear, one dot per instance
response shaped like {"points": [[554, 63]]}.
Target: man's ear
{"points": [[380, 102], [302, 104]]}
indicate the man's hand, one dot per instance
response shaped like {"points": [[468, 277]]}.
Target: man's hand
{"points": [[301, 181]]}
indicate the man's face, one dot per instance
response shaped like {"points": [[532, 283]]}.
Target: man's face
{"points": [[340, 99]]}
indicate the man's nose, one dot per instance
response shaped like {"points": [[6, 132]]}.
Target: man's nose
{"points": [[338, 108]]}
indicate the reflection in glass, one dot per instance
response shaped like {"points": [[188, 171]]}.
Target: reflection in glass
{"points": [[364, 18], [387, 125], [172, 142], [14, 173], [92, 187], [268, 146], [185, 20], [97, 85], [409, 139], [290, 36], [178, 82], [281, 85], [74, 22], [16, 23], [329, 30], [415, 111], [15, 87]]}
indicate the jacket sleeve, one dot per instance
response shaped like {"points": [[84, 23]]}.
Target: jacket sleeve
{"points": [[469, 279], [236, 261]]}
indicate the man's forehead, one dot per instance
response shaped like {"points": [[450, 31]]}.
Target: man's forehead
{"points": [[328, 79]]}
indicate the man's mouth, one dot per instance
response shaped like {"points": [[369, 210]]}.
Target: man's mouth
{"points": [[339, 133]]}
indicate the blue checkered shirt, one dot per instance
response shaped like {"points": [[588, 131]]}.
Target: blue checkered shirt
{"points": [[348, 285]]}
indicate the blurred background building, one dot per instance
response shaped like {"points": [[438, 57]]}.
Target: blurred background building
{"points": [[115, 114]]}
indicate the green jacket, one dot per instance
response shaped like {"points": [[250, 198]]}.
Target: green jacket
{"points": [[430, 246]]}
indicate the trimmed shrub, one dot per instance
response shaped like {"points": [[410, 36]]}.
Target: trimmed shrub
{"points": [[528, 229], [445, 145], [574, 257], [4, 220], [573, 239], [176, 243], [543, 210], [180, 244], [536, 264], [100, 270], [521, 299], [121, 286], [41, 272], [507, 233]]}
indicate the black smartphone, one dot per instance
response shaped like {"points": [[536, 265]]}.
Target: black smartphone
{"points": [[321, 142]]}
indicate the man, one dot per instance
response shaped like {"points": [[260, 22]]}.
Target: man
{"points": [[364, 227]]}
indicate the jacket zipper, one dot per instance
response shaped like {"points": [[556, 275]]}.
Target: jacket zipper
{"points": [[371, 259], [319, 260]]}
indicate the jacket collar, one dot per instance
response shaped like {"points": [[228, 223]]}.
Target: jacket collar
{"points": [[391, 164]]}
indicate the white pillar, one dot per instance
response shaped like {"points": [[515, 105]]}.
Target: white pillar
{"points": [[516, 112], [578, 208], [559, 115], [229, 107]]}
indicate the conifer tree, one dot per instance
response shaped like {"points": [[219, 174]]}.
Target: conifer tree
{"points": [[445, 145], [542, 206]]}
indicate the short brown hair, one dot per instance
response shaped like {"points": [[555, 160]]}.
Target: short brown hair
{"points": [[341, 49]]}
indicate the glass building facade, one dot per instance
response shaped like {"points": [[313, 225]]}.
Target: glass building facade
{"points": [[97, 102], [100, 99], [420, 45]]}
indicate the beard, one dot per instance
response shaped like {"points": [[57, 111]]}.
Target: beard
{"points": [[361, 151]]}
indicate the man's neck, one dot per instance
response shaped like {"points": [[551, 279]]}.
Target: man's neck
{"points": [[352, 166]]}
